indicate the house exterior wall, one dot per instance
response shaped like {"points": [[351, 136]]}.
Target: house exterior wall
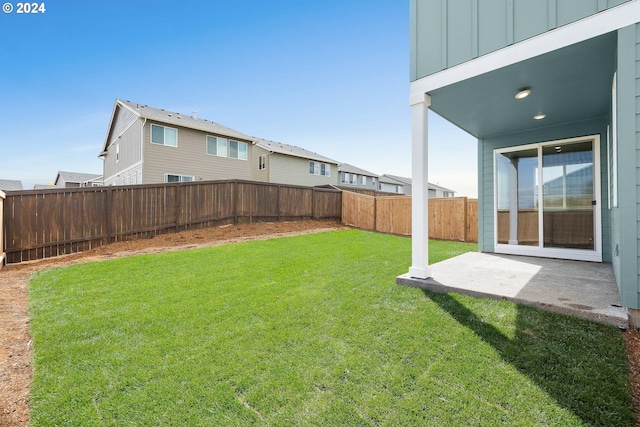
{"points": [[371, 182], [625, 219], [128, 168], [486, 242], [445, 33], [284, 169], [190, 158], [260, 175]]}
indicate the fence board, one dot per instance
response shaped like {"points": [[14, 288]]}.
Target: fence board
{"points": [[358, 210], [393, 215], [42, 223]]}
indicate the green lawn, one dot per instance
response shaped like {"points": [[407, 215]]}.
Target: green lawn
{"points": [[307, 330]]}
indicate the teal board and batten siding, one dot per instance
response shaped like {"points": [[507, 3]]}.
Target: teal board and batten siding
{"points": [[486, 147], [626, 217], [190, 158], [445, 33]]}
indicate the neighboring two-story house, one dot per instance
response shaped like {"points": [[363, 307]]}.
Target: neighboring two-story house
{"points": [[402, 185], [146, 145], [352, 176], [551, 90], [77, 179], [287, 164]]}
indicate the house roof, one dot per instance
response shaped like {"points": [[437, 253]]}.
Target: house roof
{"points": [[172, 118], [393, 179], [290, 150], [43, 186], [77, 177], [346, 167], [10, 184]]}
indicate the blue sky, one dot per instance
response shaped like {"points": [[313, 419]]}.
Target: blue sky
{"points": [[331, 76]]}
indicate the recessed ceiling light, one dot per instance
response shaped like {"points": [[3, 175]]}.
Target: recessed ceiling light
{"points": [[523, 93], [539, 116]]}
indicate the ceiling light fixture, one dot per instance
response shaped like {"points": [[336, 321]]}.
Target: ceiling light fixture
{"points": [[523, 93], [539, 116]]}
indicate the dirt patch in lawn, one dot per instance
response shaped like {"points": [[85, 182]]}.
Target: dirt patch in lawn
{"points": [[15, 342]]}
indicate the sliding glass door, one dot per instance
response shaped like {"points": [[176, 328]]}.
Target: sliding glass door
{"points": [[547, 200]]}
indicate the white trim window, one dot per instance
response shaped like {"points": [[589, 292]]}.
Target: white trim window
{"points": [[374, 181], [171, 177], [317, 168], [237, 150], [363, 180], [163, 135], [117, 153], [262, 162], [216, 146]]}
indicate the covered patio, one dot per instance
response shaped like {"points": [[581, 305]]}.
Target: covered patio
{"points": [[583, 289]]}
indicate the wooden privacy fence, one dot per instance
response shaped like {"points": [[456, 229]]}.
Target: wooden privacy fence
{"points": [[44, 223], [452, 218]]}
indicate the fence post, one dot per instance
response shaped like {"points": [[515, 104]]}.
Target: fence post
{"points": [[234, 196], [313, 203], [2, 254], [108, 217], [466, 220]]}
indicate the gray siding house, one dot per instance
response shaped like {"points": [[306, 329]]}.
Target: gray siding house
{"points": [[77, 179], [287, 164], [352, 176], [402, 185], [551, 91], [146, 145]]}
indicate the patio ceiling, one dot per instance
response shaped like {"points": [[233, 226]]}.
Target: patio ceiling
{"points": [[568, 85]]}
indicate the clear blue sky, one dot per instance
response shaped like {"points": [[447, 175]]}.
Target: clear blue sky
{"points": [[331, 76]]}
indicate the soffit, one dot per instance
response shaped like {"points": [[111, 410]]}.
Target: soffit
{"points": [[568, 85]]}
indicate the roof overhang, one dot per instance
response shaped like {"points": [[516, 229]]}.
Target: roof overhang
{"points": [[569, 71]]}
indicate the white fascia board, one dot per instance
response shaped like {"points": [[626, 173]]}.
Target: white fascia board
{"points": [[595, 25]]}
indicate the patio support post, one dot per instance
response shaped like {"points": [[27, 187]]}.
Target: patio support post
{"points": [[420, 191]]}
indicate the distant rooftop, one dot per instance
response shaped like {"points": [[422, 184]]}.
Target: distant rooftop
{"points": [[10, 185], [346, 167], [291, 150], [394, 179], [78, 177]]}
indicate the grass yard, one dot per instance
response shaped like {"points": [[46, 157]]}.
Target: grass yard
{"points": [[307, 330]]}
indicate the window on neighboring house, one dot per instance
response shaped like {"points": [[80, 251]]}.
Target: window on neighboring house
{"points": [[169, 177], [354, 179], [164, 135], [345, 178], [237, 150], [317, 168], [117, 153], [374, 181], [216, 146], [363, 180], [262, 162]]}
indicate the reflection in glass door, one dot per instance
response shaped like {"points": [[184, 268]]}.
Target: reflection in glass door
{"points": [[546, 200], [568, 196]]}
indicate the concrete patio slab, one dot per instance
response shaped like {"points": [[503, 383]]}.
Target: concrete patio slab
{"points": [[583, 289]]}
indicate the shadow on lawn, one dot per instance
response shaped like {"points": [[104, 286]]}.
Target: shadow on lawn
{"points": [[574, 361]]}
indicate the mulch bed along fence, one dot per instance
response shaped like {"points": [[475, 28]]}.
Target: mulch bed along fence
{"points": [[45, 223]]}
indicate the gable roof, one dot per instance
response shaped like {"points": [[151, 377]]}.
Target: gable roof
{"points": [[290, 150], [346, 167], [171, 118], [77, 177], [10, 184]]}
